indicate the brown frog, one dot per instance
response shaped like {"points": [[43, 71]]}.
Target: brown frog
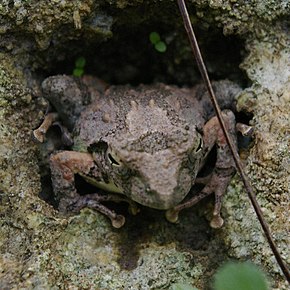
{"points": [[142, 144]]}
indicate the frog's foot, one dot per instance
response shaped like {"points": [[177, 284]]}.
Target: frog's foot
{"points": [[39, 133], [94, 200], [218, 183], [50, 120], [244, 129], [224, 167], [114, 197], [172, 214]]}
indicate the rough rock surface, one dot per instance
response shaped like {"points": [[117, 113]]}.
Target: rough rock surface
{"points": [[40, 249]]}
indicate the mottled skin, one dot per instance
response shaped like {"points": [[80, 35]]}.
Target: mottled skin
{"points": [[144, 144]]}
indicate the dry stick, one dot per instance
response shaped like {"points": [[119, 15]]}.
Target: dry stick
{"points": [[250, 191]]}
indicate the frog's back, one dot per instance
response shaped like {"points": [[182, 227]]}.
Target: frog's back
{"points": [[113, 112]]}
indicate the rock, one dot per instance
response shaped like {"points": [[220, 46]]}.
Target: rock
{"points": [[41, 249]]}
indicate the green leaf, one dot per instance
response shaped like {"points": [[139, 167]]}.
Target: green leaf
{"points": [[160, 46], [78, 72], [240, 276], [182, 286], [154, 37], [80, 62]]}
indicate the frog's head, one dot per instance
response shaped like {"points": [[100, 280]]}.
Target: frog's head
{"points": [[157, 159]]}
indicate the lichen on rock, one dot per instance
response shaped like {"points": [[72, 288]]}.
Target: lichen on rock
{"points": [[41, 249], [268, 164]]}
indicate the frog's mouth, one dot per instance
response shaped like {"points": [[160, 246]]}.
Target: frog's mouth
{"points": [[158, 200], [162, 195]]}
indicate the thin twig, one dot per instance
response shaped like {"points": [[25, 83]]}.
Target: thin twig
{"points": [[249, 188]]}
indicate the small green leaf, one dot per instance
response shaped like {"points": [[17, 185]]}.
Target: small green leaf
{"points": [[80, 62], [240, 276], [78, 72], [154, 37], [160, 46], [182, 286]]}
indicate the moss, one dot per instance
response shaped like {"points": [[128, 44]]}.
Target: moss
{"points": [[19, 176], [42, 19], [240, 17]]}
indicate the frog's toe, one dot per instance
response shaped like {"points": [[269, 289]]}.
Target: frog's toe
{"points": [[172, 215], [217, 222], [244, 129], [47, 122], [118, 221], [38, 135]]}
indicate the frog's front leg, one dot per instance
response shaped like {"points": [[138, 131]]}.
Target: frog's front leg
{"points": [[64, 165], [40, 132], [222, 173], [51, 119]]}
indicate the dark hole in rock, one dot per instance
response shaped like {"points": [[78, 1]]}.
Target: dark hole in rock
{"points": [[130, 57]]}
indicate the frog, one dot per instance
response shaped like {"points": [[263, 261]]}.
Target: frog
{"points": [[144, 145]]}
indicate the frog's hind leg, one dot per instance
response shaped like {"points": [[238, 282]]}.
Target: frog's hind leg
{"points": [[222, 173], [64, 165]]}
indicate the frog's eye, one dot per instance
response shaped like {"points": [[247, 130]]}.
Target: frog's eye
{"points": [[199, 146], [196, 150], [113, 159]]}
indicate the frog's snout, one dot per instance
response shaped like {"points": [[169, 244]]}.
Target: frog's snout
{"points": [[160, 198], [163, 200], [162, 190], [161, 180]]}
